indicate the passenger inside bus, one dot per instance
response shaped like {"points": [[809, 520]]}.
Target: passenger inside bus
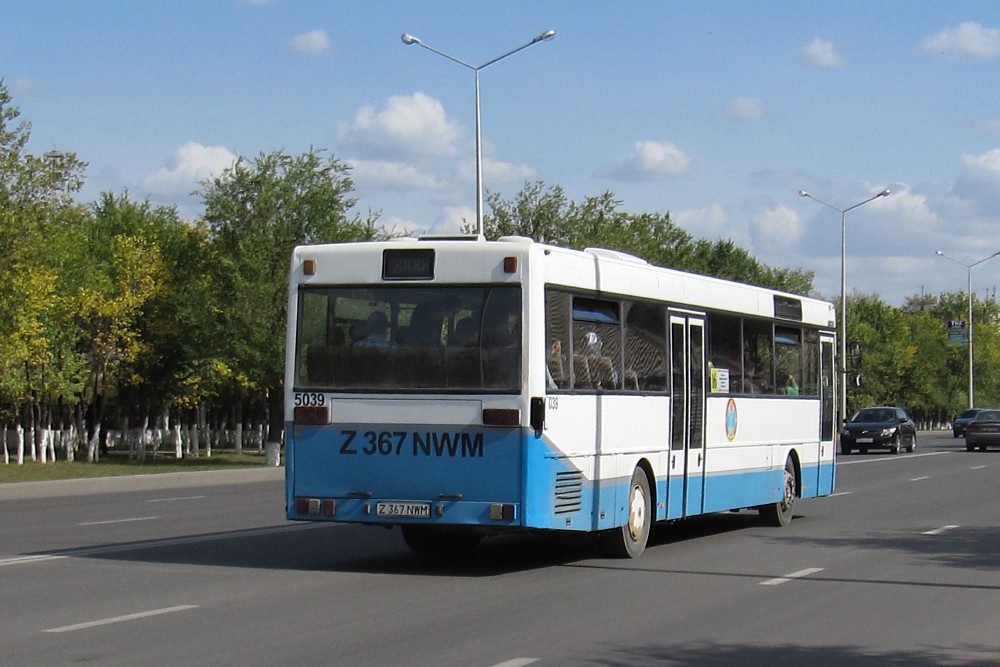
{"points": [[376, 331]]}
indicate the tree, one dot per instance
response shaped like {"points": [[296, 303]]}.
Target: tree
{"points": [[546, 215], [257, 212], [37, 363]]}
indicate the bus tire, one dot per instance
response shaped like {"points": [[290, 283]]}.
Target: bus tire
{"points": [[428, 540], [779, 514], [629, 540]]}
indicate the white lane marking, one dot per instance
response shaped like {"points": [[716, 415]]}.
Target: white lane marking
{"points": [[977, 467], [942, 529], [122, 619], [167, 500], [21, 560], [789, 577], [103, 523], [516, 662], [882, 459], [920, 479], [840, 493]]}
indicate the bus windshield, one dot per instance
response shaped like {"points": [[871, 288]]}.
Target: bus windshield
{"points": [[407, 338]]}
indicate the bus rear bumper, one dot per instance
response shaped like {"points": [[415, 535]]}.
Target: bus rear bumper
{"points": [[393, 511]]}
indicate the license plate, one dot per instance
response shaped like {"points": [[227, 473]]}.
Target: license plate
{"points": [[413, 510], [988, 429], [864, 440]]}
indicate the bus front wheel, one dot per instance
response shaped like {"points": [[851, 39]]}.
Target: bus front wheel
{"points": [[629, 541], [780, 513]]}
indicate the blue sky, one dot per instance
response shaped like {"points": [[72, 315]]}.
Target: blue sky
{"points": [[718, 112]]}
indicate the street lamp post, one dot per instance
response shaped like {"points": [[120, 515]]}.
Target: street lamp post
{"points": [[843, 289], [972, 384], [544, 37]]}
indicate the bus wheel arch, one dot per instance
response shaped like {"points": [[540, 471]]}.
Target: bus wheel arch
{"points": [[780, 513], [629, 540]]}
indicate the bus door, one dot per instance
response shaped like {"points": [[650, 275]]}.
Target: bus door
{"points": [[686, 471], [828, 415]]}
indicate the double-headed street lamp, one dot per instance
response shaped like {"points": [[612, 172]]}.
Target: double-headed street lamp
{"points": [[544, 37], [843, 289], [972, 384]]}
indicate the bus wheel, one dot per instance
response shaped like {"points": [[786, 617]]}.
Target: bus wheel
{"points": [[426, 539], [780, 513], [629, 541]]}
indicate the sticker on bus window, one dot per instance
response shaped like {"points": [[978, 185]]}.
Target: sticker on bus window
{"points": [[719, 379]]}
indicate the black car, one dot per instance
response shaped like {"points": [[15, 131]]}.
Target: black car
{"points": [[959, 423], [884, 427]]}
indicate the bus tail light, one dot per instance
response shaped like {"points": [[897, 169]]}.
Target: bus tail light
{"points": [[501, 417], [316, 506], [502, 512], [314, 415]]}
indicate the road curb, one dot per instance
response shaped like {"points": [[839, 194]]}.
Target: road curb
{"points": [[124, 483]]}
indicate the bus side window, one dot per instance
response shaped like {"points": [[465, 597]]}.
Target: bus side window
{"points": [[558, 374], [645, 346]]}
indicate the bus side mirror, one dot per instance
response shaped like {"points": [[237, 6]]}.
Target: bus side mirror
{"points": [[537, 416]]}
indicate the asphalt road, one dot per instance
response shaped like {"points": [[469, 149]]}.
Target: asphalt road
{"points": [[901, 566]]}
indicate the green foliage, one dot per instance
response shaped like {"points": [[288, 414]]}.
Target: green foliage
{"points": [[546, 215], [256, 213]]}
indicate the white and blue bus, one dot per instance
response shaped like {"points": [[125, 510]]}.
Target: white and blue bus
{"points": [[458, 388]]}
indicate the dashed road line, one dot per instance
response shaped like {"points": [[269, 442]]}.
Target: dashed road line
{"points": [[777, 581], [122, 619], [167, 500], [942, 529], [104, 523]]}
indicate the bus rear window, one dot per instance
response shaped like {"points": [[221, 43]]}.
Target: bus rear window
{"points": [[409, 338]]}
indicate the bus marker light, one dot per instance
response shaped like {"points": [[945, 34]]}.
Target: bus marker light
{"points": [[501, 417], [307, 505], [314, 415], [510, 264], [329, 507], [309, 267]]}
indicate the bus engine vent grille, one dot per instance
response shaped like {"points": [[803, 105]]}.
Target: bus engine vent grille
{"points": [[568, 492]]}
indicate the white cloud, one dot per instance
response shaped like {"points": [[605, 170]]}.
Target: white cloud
{"points": [[967, 39], [410, 127], [820, 53], [191, 164], [746, 108], [776, 227], [314, 41], [978, 184], [494, 171], [707, 223], [396, 176], [649, 161]]}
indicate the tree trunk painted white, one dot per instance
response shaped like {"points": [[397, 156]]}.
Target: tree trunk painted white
{"points": [[29, 436], [93, 449], [19, 437], [178, 442], [69, 441]]}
